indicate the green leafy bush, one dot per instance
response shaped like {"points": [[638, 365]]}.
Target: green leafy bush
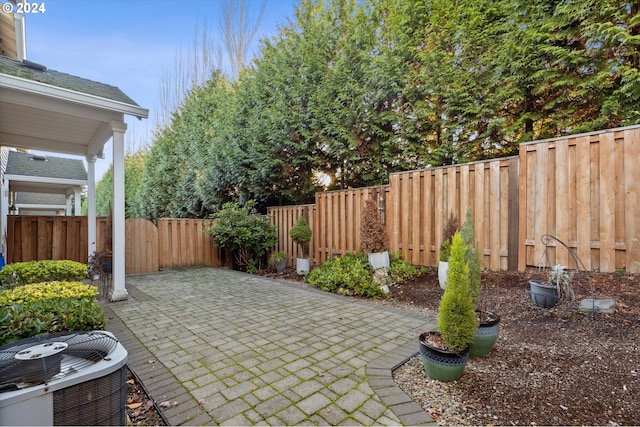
{"points": [[246, 233], [348, 275], [400, 270], [22, 273], [457, 320], [38, 308]]}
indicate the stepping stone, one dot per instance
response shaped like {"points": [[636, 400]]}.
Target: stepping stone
{"points": [[602, 305]]}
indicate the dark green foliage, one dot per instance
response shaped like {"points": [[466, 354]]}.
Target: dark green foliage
{"points": [[134, 167], [22, 273], [347, 275], [301, 234], [457, 320], [245, 232], [400, 270], [358, 89], [48, 307], [474, 258]]}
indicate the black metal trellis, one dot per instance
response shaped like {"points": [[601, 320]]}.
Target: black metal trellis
{"points": [[581, 271]]}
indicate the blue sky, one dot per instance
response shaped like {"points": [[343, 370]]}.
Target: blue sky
{"points": [[131, 44]]}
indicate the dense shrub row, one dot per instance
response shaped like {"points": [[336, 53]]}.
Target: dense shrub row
{"points": [[352, 275], [22, 273], [40, 297], [38, 308]]}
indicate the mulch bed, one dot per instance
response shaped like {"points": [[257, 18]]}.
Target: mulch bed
{"points": [[549, 366]]}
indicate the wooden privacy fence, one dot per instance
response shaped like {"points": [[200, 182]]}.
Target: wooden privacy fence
{"points": [[415, 206], [174, 243], [584, 189]]}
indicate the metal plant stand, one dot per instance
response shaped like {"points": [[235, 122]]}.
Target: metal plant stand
{"points": [[581, 273]]}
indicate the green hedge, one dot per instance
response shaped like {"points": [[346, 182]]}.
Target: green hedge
{"points": [[39, 308], [23, 273]]}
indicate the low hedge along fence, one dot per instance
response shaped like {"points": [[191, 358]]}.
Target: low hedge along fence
{"points": [[39, 308], [22, 273]]}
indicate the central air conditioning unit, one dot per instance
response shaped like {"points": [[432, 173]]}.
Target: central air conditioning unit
{"points": [[66, 378]]}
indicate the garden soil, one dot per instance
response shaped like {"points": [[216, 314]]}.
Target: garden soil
{"points": [[549, 366]]}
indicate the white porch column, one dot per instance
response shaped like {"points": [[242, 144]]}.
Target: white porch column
{"points": [[91, 203], [4, 211], [119, 291], [77, 200], [67, 198]]}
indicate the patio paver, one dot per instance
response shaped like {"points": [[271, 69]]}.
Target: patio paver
{"points": [[238, 349]]}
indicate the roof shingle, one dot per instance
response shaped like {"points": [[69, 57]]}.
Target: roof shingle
{"points": [[23, 70], [24, 164]]}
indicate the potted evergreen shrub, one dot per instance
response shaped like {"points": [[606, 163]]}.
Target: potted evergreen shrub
{"points": [[373, 236], [451, 226], [301, 234], [278, 260], [488, 321], [445, 352]]}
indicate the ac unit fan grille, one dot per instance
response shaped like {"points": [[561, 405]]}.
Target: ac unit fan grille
{"points": [[98, 402], [29, 361]]}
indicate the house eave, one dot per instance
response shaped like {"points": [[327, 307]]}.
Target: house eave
{"points": [[30, 86], [46, 180]]}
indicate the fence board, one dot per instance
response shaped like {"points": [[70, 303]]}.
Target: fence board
{"points": [[184, 243], [631, 154], [583, 201], [562, 182], [607, 218], [141, 242]]}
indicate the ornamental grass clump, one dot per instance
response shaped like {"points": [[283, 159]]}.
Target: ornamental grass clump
{"points": [[457, 320]]}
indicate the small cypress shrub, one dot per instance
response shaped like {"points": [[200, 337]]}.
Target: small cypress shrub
{"points": [[301, 234], [457, 320], [474, 258]]}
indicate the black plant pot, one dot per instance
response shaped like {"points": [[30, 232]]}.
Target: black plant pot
{"points": [[542, 293], [107, 266]]}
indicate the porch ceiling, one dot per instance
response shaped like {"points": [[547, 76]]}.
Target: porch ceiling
{"points": [[36, 122]]}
